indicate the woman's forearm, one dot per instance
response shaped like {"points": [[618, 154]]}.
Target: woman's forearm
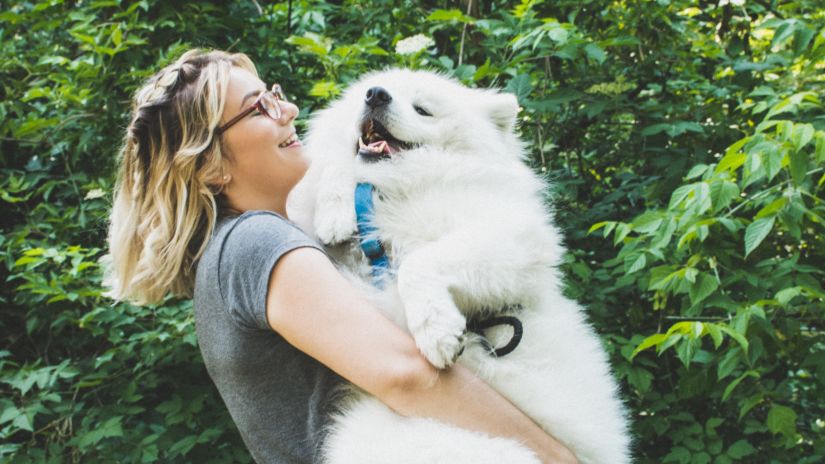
{"points": [[319, 312], [456, 396]]}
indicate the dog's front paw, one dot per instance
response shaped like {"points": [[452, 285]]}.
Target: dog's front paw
{"points": [[335, 221], [440, 337]]}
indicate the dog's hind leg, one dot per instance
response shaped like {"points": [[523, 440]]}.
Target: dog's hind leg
{"points": [[370, 433]]}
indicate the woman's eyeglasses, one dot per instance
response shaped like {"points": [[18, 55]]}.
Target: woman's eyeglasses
{"points": [[268, 103]]}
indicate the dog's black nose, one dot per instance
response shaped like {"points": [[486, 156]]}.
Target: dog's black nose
{"points": [[377, 96]]}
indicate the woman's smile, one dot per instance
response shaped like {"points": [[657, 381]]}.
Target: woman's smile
{"points": [[291, 142]]}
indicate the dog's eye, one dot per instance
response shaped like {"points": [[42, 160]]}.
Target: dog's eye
{"points": [[421, 111]]}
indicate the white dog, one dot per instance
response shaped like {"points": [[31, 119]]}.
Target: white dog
{"points": [[465, 226]]}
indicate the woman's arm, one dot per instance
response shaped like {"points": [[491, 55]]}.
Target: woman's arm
{"points": [[315, 309]]}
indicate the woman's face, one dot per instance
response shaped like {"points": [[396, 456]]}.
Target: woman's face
{"points": [[265, 157]]}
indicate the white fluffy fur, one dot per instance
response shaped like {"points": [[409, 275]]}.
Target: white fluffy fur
{"points": [[467, 232]]}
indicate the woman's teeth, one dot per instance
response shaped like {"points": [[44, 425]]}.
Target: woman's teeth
{"points": [[292, 139]]}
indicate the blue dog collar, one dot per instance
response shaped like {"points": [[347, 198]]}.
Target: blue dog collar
{"points": [[368, 234]]}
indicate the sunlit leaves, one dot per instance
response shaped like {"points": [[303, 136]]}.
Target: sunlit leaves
{"points": [[686, 336], [449, 15]]}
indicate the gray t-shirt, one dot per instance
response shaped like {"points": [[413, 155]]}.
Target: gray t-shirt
{"points": [[277, 395]]}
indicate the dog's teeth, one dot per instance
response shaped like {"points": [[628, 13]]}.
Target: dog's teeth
{"points": [[361, 143]]}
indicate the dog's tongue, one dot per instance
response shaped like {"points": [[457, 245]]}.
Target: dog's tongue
{"points": [[375, 150], [382, 147]]}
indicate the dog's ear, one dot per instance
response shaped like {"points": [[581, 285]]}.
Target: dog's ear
{"points": [[502, 109]]}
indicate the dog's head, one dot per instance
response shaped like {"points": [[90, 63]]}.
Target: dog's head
{"points": [[393, 111]]}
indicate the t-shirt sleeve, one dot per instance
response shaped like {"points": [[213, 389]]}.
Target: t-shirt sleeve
{"points": [[250, 250]]}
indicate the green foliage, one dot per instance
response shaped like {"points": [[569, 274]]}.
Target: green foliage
{"points": [[689, 134]]}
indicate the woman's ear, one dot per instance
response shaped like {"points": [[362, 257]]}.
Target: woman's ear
{"points": [[502, 109], [217, 181]]}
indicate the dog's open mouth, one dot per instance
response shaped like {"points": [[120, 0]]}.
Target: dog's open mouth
{"points": [[376, 142]]}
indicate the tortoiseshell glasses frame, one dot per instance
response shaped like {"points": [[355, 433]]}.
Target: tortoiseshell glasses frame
{"points": [[268, 103]]}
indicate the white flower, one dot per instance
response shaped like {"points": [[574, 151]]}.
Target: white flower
{"points": [[94, 193], [731, 2], [413, 44]]}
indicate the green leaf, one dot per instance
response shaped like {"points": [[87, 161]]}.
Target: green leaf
{"points": [[183, 446], [784, 296], [731, 386], [637, 263], [704, 286], [686, 350], [802, 37], [690, 275], [678, 454], [312, 43], [722, 193], [756, 233], [324, 89], [117, 36], [754, 168], [557, 33], [798, 166], [712, 424], [110, 428], [782, 419], [729, 362], [653, 340], [595, 52], [9, 413], [452, 14], [622, 229], [23, 422], [715, 333], [701, 457], [772, 208], [700, 200], [743, 342], [521, 86], [819, 149], [740, 449], [696, 171], [750, 403], [597, 226], [733, 156], [679, 196], [647, 222], [802, 134], [640, 378], [774, 156]]}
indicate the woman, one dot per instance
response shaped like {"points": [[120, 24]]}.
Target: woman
{"points": [[200, 209]]}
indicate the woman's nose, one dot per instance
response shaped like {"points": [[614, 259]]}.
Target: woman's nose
{"points": [[289, 112]]}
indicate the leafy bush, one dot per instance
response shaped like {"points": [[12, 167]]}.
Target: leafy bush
{"points": [[685, 144]]}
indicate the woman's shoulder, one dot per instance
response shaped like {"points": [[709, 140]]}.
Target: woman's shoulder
{"points": [[250, 226], [253, 235], [239, 260]]}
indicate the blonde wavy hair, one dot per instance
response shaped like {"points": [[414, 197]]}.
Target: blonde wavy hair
{"points": [[167, 192]]}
